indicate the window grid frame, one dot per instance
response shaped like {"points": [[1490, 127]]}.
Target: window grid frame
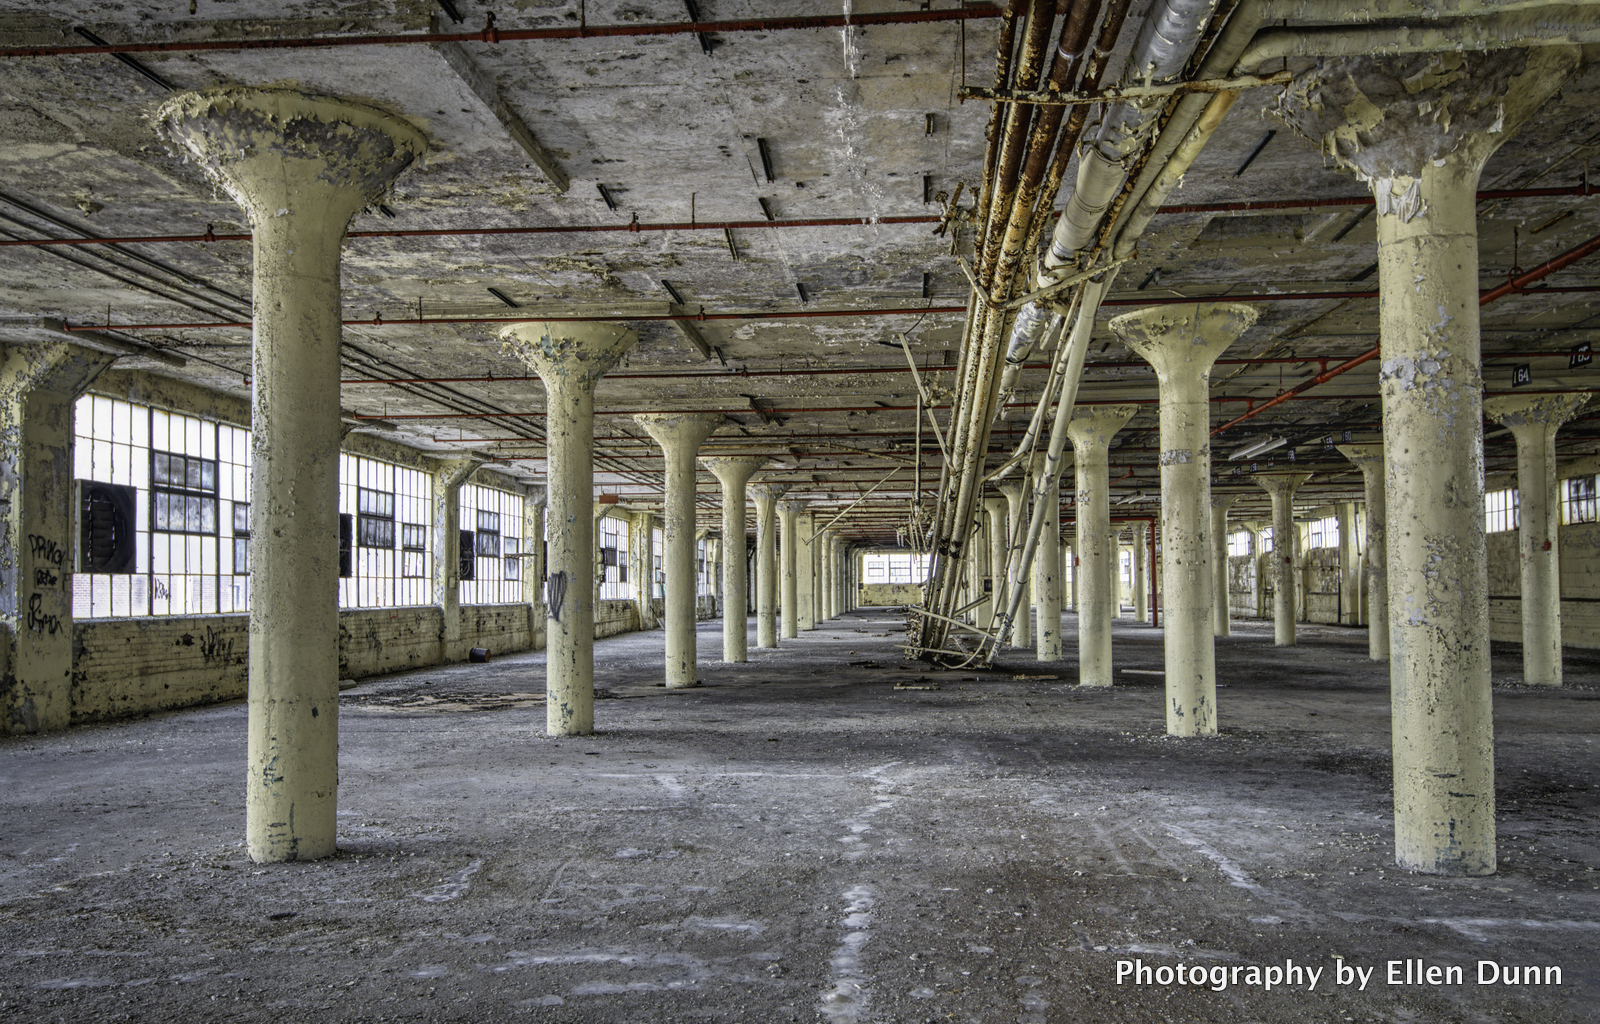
{"points": [[498, 576]]}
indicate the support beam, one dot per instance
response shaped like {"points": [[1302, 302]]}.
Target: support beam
{"points": [[1091, 431], [1221, 624], [1369, 459], [767, 495], [734, 474], [570, 359], [1424, 171], [301, 167], [1285, 541], [680, 436], [1181, 343], [1534, 420], [39, 385]]}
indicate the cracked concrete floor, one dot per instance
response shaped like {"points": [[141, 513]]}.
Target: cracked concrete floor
{"points": [[799, 841]]}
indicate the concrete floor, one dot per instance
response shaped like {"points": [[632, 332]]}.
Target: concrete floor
{"points": [[799, 841]]}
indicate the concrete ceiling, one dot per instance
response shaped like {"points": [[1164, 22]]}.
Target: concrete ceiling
{"points": [[861, 124]]}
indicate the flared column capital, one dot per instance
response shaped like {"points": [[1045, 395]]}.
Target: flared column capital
{"points": [[1281, 486], [1175, 339], [675, 430], [1092, 427], [766, 491], [280, 152], [733, 471], [1533, 414], [1393, 118], [568, 354], [1223, 501], [1366, 457]]}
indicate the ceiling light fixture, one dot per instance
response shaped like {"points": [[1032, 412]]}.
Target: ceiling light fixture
{"points": [[1257, 447]]}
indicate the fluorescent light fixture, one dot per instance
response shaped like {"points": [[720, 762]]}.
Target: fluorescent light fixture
{"points": [[1256, 448]]}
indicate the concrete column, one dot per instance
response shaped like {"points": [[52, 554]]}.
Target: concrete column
{"points": [[1047, 564], [1369, 458], [680, 436], [644, 561], [1534, 420], [806, 570], [714, 563], [1220, 504], [39, 385], [1349, 566], [445, 492], [1091, 430], [977, 554], [827, 567], [998, 552], [1424, 169], [767, 496], [1284, 543], [836, 573], [569, 358], [1260, 571], [733, 475], [301, 167], [1181, 343], [789, 515], [1141, 579], [1016, 527]]}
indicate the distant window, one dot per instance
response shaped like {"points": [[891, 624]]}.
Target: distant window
{"points": [[895, 567], [1239, 543], [1324, 533], [1266, 540], [174, 549], [1502, 511], [492, 518], [1578, 500], [613, 544], [389, 510]]}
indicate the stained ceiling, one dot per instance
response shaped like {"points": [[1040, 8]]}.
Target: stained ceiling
{"points": [[685, 174]]}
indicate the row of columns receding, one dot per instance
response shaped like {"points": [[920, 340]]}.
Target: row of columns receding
{"points": [[303, 166]]}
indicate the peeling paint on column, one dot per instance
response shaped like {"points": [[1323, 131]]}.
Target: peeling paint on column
{"points": [[1534, 420], [1431, 121], [680, 436], [1182, 343], [1091, 430], [569, 358]]}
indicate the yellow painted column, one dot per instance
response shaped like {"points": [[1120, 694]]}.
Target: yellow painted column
{"points": [[1182, 343], [301, 167], [570, 358], [1418, 129], [1534, 420]]}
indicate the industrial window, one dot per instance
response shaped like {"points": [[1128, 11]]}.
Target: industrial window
{"points": [[1323, 533], [388, 509], [1266, 540], [1239, 543], [658, 576], [702, 568], [493, 519], [173, 548], [1578, 500], [613, 541], [895, 567], [1502, 511]]}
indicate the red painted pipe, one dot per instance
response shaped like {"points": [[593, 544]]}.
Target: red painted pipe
{"points": [[1584, 189], [1516, 284], [540, 229], [493, 34]]}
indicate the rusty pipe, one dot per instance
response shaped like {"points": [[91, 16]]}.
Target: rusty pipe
{"points": [[491, 33]]}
